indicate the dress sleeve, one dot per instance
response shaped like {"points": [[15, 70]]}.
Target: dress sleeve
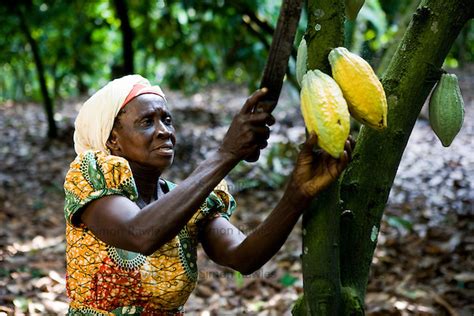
{"points": [[92, 175], [219, 203]]}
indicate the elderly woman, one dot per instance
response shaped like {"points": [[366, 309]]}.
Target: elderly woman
{"points": [[132, 236]]}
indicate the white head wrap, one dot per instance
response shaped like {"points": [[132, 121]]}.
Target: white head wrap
{"points": [[96, 117]]}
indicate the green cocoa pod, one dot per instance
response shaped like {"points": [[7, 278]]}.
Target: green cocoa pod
{"points": [[301, 60], [352, 8], [446, 109]]}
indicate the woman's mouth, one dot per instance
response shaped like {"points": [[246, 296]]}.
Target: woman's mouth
{"points": [[165, 150]]}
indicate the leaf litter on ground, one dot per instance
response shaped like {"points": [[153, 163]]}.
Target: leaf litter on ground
{"points": [[423, 263]]}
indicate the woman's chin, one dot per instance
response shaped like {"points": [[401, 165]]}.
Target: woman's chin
{"points": [[165, 163], [151, 166]]}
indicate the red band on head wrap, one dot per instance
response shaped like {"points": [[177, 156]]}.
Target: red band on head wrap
{"points": [[139, 89]]}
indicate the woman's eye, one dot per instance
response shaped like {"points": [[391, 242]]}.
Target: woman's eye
{"points": [[147, 122], [168, 120]]}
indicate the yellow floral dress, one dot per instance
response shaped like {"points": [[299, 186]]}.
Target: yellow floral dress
{"points": [[105, 280]]}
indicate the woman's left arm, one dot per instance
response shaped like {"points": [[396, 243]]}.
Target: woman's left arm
{"points": [[227, 245]]}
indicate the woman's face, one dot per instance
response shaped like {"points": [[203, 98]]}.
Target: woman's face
{"points": [[143, 133]]}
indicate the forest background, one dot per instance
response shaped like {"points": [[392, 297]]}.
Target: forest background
{"points": [[208, 56]]}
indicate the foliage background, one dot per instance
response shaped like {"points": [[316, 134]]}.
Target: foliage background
{"points": [[183, 45]]}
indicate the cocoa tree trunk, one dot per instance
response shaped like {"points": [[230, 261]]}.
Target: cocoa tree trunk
{"points": [[321, 228], [341, 228]]}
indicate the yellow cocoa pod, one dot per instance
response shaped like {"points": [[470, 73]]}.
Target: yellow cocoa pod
{"points": [[325, 111], [361, 88]]}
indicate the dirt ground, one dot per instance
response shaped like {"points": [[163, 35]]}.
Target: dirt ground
{"points": [[423, 264]]}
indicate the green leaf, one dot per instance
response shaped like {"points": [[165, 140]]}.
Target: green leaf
{"points": [[373, 13], [239, 279], [21, 303], [399, 223], [287, 280]]}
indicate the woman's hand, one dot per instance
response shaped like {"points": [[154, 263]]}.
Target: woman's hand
{"points": [[316, 170], [249, 132]]}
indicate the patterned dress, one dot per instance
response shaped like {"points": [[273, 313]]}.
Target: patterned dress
{"points": [[105, 280]]}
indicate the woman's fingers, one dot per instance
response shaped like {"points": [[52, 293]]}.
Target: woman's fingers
{"points": [[252, 101], [270, 120], [309, 144], [352, 141], [261, 131], [263, 144], [254, 154], [264, 106], [316, 170], [347, 149], [261, 119], [260, 136], [344, 160], [312, 139], [249, 130]]}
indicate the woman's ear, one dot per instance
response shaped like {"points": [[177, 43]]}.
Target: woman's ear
{"points": [[112, 143]]}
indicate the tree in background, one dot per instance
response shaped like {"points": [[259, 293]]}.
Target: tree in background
{"points": [[182, 44], [126, 68], [38, 60], [341, 229], [68, 51], [81, 44]]}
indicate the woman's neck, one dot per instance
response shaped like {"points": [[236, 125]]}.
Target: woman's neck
{"points": [[146, 181]]}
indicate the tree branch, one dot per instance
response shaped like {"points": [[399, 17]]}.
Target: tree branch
{"points": [[281, 47], [407, 83], [251, 27], [264, 26]]}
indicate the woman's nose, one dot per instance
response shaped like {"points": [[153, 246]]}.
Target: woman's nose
{"points": [[163, 131]]}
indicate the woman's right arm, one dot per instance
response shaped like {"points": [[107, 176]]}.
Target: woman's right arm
{"points": [[118, 221]]}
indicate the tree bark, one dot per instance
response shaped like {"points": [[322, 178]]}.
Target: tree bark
{"points": [[364, 187], [320, 257], [47, 101], [280, 49], [127, 36]]}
